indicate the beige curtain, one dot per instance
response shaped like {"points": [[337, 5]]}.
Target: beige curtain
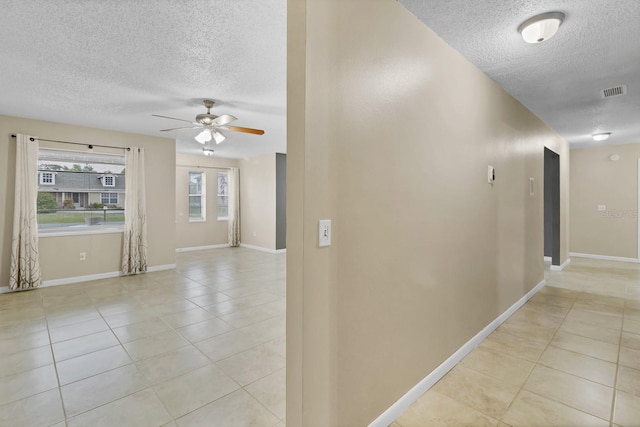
{"points": [[134, 247], [234, 207], [24, 272]]}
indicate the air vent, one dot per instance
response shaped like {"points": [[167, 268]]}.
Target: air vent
{"points": [[613, 91]]}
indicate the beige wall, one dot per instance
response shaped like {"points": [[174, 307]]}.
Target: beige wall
{"points": [[211, 232], [258, 201], [597, 180], [390, 132], [59, 256]]}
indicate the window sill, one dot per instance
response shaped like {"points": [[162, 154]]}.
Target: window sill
{"points": [[197, 220], [80, 232]]}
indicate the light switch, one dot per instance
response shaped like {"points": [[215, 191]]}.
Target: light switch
{"points": [[531, 186], [324, 232], [491, 174], [602, 208]]}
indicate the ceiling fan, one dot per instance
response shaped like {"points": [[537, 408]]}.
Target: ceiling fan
{"points": [[212, 125]]}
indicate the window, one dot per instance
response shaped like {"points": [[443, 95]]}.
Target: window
{"points": [[47, 178], [109, 198], [197, 210], [223, 196], [108, 181], [71, 193]]}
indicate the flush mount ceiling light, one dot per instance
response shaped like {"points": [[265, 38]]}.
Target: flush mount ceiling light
{"points": [[601, 136], [207, 151], [541, 27]]}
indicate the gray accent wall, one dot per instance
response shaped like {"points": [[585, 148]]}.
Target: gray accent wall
{"points": [[281, 201]]}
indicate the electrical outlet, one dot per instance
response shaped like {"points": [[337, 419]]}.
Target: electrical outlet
{"points": [[83, 256]]}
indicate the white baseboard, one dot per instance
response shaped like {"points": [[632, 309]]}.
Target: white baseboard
{"points": [[69, 280], [548, 259], [202, 248], [560, 267], [161, 268], [604, 257], [78, 279], [402, 404], [261, 249]]}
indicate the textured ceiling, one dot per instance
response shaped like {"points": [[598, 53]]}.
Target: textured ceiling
{"points": [[597, 47], [111, 64]]}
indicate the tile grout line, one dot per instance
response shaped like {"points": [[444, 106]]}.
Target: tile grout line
{"points": [[55, 363], [615, 379], [536, 363]]}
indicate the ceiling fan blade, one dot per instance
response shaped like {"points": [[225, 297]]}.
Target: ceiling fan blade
{"points": [[172, 118], [245, 130], [186, 127], [223, 120]]}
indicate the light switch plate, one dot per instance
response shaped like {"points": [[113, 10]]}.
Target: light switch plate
{"points": [[602, 208], [324, 232]]}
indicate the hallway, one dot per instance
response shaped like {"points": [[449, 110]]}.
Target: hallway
{"points": [[569, 357]]}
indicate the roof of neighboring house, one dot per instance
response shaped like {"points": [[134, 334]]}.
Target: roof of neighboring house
{"points": [[81, 182]]}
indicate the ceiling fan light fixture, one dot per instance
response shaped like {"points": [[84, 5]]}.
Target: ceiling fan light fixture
{"points": [[204, 136], [207, 151], [541, 27], [218, 136], [603, 136]]}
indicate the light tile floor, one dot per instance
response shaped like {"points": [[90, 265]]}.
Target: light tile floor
{"points": [[202, 345], [569, 357]]}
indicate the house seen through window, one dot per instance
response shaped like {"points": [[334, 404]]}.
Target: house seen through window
{"points": [[47, 178], [72, 191], [108, 181]]}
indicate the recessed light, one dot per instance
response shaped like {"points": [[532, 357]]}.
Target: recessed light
{"points": [[541, 27], [601, 136]]}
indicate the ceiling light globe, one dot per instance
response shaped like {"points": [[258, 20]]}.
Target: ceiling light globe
{"points": [[601, 136], [204, 136], [542, 27]]}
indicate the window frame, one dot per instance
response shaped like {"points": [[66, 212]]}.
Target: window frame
{"points": [[109, 196], [53, 178], [105, 178], [201, 194], [64, 228]]}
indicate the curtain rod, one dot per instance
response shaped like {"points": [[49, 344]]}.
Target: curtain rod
{"points": [[203, 167], [13, 135]]}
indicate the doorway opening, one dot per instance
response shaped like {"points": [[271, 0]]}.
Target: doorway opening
{"points": [[552, 206]]}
